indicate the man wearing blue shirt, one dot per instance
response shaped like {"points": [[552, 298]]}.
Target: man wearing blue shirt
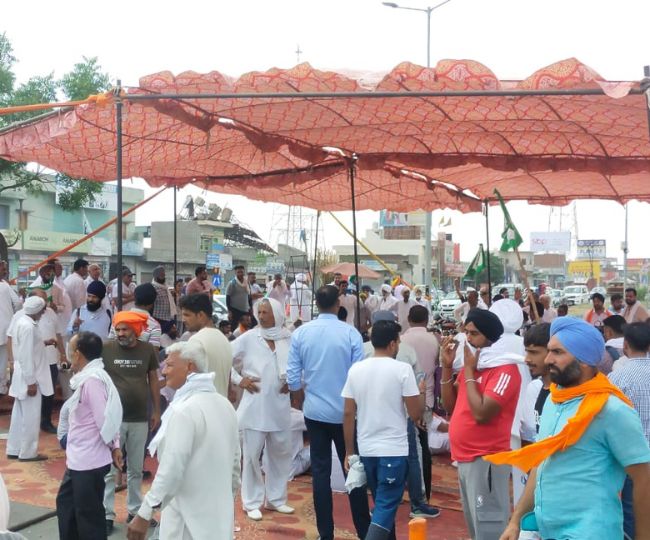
{"points": [[320, 357], [589, 438]]}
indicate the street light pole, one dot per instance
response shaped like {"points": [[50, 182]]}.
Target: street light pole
{"points": [[428, 222]]}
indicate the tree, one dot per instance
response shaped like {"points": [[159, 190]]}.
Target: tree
{"points": [[86, 78], [496, 271]]}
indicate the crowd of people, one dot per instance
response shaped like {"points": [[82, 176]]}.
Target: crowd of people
{"points": [[546, 416]]}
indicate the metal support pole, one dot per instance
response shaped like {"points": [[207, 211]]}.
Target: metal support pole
{"points": [[118, 163], [487, 244], [352, 163], [625, 253], [175, 240], [428, 220], [313, 275]]}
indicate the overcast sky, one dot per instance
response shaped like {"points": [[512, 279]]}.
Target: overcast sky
{"points": [[512, 37]]}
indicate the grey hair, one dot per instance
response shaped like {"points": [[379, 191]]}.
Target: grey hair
{"points": [[190, 351]]}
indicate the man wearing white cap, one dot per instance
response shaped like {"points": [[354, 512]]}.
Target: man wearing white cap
{"points": [[300, 299], [31, 379], [388, 302]]}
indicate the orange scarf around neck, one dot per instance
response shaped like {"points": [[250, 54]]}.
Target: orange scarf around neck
{"points": [[596, 392]]}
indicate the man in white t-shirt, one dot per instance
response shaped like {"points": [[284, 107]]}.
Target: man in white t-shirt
{"points": [[375, 393]]}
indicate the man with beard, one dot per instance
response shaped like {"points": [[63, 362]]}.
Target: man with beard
{"points": [[144, 296], [598, 313], [387, 302], [133, 368], [634, 311], [403, 308], [49, 279], [589, 437], [617, 304], [92, 317]]}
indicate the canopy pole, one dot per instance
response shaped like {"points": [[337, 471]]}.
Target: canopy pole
{"points": [[487, 255], [313, 275], [175, 239], [352, 163], [118, 162]]}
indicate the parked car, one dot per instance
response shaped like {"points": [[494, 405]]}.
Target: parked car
{"points": [[219, 309], [601, 290], [575, 294], [556, 296], [510, 286], [449, 303]]}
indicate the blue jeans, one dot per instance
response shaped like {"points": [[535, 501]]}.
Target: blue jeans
{"points": [[628, 509], [386, 477], [321, 435], [414, 478]]}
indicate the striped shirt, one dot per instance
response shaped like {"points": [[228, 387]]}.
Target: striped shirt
{"points": [[634, 381]]}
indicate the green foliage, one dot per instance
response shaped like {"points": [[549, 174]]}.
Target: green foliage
{"points": [[496, 270], [86, 78], [79, 193], [641, 293], [7, 77]]}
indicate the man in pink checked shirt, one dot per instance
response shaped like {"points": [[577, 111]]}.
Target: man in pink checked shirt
{"points": [[92, 441]]}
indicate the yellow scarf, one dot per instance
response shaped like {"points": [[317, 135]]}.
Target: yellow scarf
{"points": [[596, 392]]}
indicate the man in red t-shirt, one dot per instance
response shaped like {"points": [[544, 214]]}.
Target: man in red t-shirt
{"points": [[483, 400]]}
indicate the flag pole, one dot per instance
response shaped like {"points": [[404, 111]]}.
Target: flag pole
{"points": [[524, 275]]}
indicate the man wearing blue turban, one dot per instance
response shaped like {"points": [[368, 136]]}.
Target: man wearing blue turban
{"points": [[589, 438]]}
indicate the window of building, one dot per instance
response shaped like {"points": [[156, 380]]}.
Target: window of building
{"points": [[206, 243]]}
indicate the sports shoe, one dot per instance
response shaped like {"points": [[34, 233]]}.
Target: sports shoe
{"points": [[425, 511], [255, 515], [37, 457], [282, 509]]}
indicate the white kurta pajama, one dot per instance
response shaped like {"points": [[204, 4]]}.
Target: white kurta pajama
{"points": [[30, 367], [199, 460], [265, 416]]}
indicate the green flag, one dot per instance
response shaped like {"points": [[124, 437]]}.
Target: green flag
{"points": [[510, 235], [478, 263]]}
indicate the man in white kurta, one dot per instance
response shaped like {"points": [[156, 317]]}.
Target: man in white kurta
{"points": [[31, 379], [403, 307], [264, 412], [9, 304], [198, 454], [300, 302]]}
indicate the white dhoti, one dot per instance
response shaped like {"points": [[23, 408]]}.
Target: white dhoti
{"points": [[277, 468], [3, 369], [24, 427]]}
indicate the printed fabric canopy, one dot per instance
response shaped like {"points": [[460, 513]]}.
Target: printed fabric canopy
{"points": [[412, 151]]}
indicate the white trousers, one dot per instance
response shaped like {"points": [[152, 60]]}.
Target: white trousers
{"points": [[24, 427], [519, 477], [4, 379], [277, 468]]}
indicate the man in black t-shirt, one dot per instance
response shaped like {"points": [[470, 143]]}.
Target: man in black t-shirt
{"points": [[535, 341], [132, 365]]}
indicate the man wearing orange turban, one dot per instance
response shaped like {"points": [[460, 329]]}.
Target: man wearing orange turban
{"points": [[137, 321], [132, 365]]}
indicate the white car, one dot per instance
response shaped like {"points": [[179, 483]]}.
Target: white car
{"points": [[449, 303], [576, 294]]}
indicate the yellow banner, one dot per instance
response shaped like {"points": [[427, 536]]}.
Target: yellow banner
{"points": [[583, 270]]}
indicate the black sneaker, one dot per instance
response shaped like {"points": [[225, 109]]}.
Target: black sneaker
{"points": [[48, 428], [424, 511], [109, 527]]}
